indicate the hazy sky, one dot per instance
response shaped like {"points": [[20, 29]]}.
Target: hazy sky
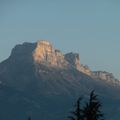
{"points": [[89, 27]]}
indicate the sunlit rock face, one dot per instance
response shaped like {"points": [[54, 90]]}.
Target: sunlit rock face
{"points": [[85, 69], [105, 76], [45, 53], [102, 74]]}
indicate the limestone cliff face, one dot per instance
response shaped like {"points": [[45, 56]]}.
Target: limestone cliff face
{"points": [[73, 59], [44, 53], [104, 76], [85, 69]]}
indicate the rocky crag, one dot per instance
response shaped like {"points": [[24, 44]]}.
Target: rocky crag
{"points": [[46, 54]]}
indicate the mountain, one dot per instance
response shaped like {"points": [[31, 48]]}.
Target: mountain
{"points": [[38, 80]]}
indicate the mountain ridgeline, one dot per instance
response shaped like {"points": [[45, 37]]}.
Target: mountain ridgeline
{"points": [[38, 80], [45, 54]]}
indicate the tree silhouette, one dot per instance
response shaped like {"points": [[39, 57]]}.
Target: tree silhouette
{"points": [[29, 118], [92, 109], [77, 113]]}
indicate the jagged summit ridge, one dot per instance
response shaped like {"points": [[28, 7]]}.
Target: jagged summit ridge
{"points": [[45, 53]]}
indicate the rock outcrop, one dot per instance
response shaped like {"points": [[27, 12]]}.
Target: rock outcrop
{"points": [[45, 53], [73, 59], [109, 77], [85, 69]]}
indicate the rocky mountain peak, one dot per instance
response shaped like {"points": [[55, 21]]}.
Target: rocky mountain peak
{"points": [[45, 53], [73, 59], [44, 43], [42, 51]]}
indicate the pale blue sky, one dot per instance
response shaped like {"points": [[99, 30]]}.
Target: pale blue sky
{"points": [[89, 27]]}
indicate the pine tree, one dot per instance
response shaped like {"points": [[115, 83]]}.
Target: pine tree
{"points": [[29, 118], [92, 109], [77, 113]]}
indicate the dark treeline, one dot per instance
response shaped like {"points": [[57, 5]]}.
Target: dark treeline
{"points": [[29, 118], [91, 110]]}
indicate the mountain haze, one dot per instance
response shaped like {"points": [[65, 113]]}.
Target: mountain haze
{"points": [[38, 80]]}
